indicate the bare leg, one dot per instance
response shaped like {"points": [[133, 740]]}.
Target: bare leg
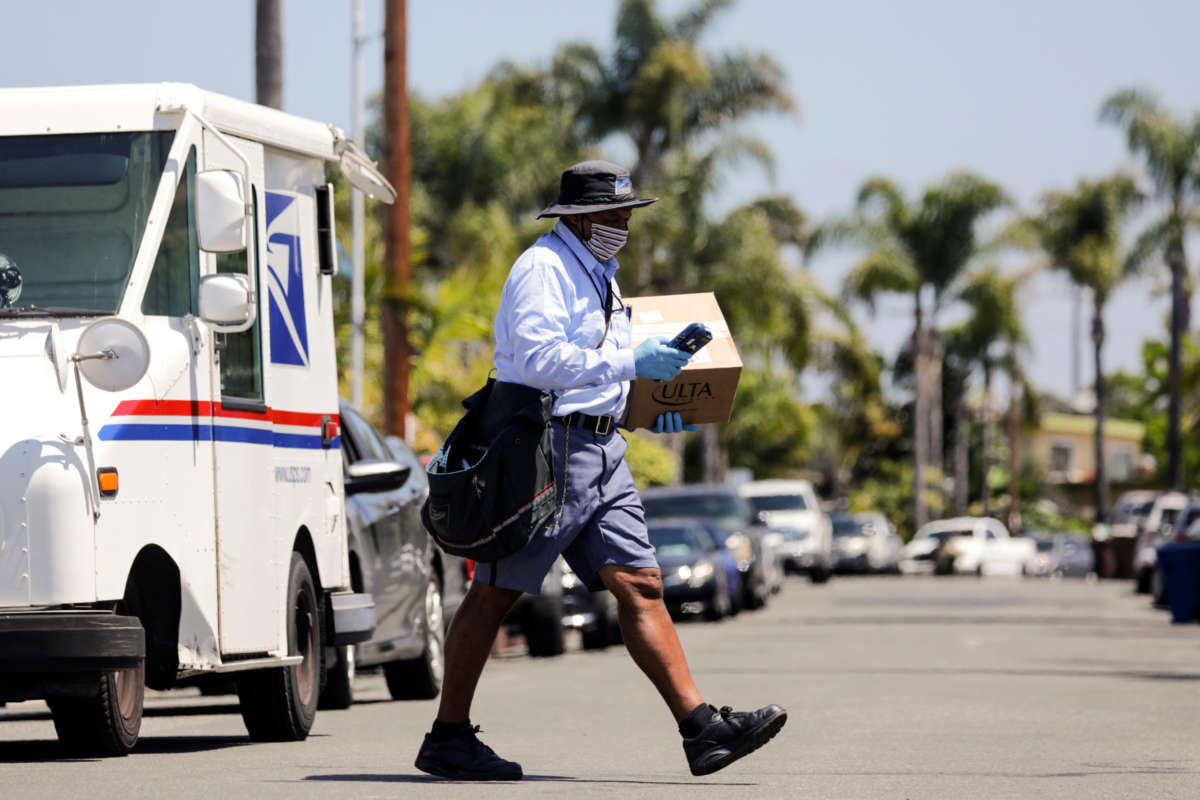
{"points": [[467, 646], [650, 635]]}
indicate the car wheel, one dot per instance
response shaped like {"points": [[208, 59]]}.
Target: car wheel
{"points": [[421, 678], [1144, 577], [543, 629], [279, 705], [717, 607], [820, 574], [339, 679]]}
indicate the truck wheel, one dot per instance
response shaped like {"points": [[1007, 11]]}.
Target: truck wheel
{"points": [[278, 705], [421, 678], [339, 679], [106, 724], [543, 629]]}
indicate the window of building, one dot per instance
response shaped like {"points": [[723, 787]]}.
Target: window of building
{"points": [[1060, 457]]}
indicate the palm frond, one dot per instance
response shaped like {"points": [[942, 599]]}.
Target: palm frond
{"points": [[883, 270], [691, 22]]}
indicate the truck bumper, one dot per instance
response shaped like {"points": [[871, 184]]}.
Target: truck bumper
{"points": [[45, 640], [353, 617]]}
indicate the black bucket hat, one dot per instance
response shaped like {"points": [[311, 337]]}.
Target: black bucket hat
{"points": [[594, 186]]}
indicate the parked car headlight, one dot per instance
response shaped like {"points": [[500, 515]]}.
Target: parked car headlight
{"points": [[697, 575]]}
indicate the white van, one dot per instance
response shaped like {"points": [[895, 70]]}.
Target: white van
{"points": [[171, 498]]}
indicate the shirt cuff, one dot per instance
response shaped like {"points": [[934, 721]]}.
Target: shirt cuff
{"points": [[625, 365]]}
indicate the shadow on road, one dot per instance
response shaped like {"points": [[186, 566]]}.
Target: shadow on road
{"points": [[1035, 672], [412, 778], [49, 750]]}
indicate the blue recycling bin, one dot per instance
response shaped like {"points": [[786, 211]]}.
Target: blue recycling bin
{"points": [[1180, 565]]}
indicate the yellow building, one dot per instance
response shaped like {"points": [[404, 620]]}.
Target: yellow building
{"points": [[1062, 445]]}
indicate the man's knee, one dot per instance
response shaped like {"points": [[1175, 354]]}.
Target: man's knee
{"points": [[631, 585]]}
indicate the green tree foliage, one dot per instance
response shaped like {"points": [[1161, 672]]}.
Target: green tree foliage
{"points": [[1081, 233], [1170, 148]]}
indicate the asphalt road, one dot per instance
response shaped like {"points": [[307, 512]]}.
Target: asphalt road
{"points": [[896, 688]]}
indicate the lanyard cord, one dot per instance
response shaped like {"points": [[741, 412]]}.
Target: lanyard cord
{"points": [[605, 299]]}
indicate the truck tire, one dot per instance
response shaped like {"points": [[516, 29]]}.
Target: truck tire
{"points": [[279, 705], [421, 678], [339, 679], [543, 629], [106, 724]]}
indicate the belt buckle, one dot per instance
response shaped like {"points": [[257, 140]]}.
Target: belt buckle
{"points": [[606, 420]]}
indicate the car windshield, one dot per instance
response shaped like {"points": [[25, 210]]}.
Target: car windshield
{"points": [[73, 208], [673, 541], [942, 536], [777, 502], [1045, 545], [1130, 512], [846, 526], [724, 509]]}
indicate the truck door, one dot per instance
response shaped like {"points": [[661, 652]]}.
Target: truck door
{"points": [[250, 564]]}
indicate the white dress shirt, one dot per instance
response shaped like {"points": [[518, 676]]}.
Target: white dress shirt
{"points": [[551, 322]]}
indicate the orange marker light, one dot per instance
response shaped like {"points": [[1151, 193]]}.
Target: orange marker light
{"points": [[108, 481]]}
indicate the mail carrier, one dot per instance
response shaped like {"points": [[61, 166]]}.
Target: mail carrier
{"points": [[171, 485]]}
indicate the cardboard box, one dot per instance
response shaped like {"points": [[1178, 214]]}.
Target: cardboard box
{"points": [[705, 389]]}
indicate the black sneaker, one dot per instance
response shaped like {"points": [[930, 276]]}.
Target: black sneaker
{"points": [[730, 735], [464, 757]]}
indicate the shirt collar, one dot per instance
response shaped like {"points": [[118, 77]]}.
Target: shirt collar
{"points": [[604, 270]]}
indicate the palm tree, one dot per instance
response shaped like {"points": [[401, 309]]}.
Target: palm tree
{"points": [[1081, 233], [918, 249], [994, 336], [659, 88], [1170, 148]]}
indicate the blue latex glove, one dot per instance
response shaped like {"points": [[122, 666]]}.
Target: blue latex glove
{"points": [[670, 422], [656, 359]]}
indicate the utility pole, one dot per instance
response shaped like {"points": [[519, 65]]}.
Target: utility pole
{"points": [[268, 54], [358, 280], [395, 155]]}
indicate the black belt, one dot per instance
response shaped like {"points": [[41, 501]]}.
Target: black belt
{"points": [[601, 426]]}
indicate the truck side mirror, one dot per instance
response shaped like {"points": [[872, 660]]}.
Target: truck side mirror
{"points": [[226, 302], [221, 211]]}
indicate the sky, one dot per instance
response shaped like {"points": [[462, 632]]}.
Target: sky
{"points": [[910, 90]]}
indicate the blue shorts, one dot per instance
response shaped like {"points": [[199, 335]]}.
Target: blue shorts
{"points": [[602, 520]]}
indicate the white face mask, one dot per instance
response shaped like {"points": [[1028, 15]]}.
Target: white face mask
{"points": [[605, 241]]}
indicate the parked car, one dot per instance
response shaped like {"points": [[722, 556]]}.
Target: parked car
{"points": [[791, 508], [973, 545], [1130, 510], [593, 614], [1062, 555], [733, 576], [539, 617], [393, 559], [723, 506], [865, 542], [693, 572], [1152, 530]]}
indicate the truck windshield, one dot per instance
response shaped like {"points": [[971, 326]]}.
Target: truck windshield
{"points": [[73, 208]]}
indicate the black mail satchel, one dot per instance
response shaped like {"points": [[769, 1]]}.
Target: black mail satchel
{"points": [[491, 486]]}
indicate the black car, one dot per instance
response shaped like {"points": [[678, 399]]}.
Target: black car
{"points": [[593, 614], [393, 558], [726, 508], [693, 571]]}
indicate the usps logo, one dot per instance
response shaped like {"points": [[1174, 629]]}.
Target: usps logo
{"points": [[285, 278], [623, 185]]}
